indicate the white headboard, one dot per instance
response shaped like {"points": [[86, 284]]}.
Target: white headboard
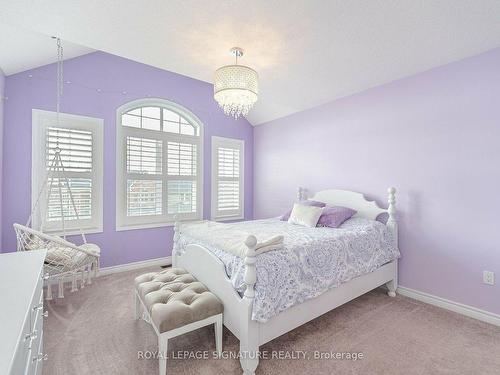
{"points": [[356, 201]]}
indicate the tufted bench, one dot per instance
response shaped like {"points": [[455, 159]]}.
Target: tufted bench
{"points": [[174, 302]]}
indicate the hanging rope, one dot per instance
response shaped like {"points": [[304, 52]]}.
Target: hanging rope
{"points": [[56, 167], [60, 76]]}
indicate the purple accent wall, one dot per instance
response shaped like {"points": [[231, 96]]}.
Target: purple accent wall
{"points": [[113, 75], [436, 137]]}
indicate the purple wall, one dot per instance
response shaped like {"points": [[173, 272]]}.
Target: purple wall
{"points": [[2, 100], [436, 137], [113, 75]]}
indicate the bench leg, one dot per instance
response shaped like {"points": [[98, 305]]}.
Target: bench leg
{"points": [[162, 353], [138, 306], [218, 335]]}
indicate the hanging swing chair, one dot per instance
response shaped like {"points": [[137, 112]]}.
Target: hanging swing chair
{"points": [[64, 260]]}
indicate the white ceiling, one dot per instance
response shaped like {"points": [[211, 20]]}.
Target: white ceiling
{"points": [[21, 49], [307, 52]]}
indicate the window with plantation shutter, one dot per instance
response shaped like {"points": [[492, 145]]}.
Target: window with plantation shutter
{"points": [[158, 164], [227, 178], [79, 140]]}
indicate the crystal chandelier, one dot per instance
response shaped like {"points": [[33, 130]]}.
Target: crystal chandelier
{"points": [[236, 87]]}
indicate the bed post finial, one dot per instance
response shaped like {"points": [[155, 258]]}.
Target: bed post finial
{"points": [[391, 210], [301, 194], [250, 272]]}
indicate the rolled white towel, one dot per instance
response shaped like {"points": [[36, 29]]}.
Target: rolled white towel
{"points": [[275, 240], [265, 249], [272, 243]]}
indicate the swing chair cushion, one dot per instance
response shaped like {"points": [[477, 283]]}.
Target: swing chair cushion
{"points": [[34, 243], [58, 255], [61, 256]]}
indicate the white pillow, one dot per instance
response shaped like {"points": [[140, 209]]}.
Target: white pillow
{"points": [[307, 216]]}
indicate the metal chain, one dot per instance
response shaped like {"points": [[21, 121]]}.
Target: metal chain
{"points": [[59, 86]]}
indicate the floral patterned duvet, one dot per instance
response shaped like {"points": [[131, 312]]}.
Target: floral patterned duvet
{"points": [[312, 261]]}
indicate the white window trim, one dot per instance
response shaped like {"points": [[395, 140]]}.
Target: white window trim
{"points": [[121, 198], [231, 143], [41, 120]]}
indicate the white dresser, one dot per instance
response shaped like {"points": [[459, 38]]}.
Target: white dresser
{"points": [[21, 313]]}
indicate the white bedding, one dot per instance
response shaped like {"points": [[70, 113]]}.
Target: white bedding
{"points": [[312, 261], [226, 237]]}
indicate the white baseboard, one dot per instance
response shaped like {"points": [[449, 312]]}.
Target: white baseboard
{"points": [[135, 265], [460, 308], [119, 268]]}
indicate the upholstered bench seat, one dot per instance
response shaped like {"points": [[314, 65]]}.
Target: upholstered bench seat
{"points": [[175, 298], [174, 302]]}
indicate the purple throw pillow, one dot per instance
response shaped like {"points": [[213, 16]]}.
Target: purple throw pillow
{"points": [[306, 202], [334, 216]]}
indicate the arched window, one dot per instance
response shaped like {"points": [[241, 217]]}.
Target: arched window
{"points": [[158, 164]]}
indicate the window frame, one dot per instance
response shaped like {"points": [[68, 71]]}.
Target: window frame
{"points": [[41, 121], [228, 143], [123, 222]]}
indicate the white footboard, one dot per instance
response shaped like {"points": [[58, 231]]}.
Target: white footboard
{"points": [[210, 270]]}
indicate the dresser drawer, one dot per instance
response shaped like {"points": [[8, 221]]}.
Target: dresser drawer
{"points": [[23, 350], [31, 336], [36, 346], [21, 321], [35, 360], [38, 328], [36, 309], [37, 303], [39, 364]]}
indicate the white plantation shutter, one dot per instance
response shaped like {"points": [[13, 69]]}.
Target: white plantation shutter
{"points": [[76, 156], [227, 178], [182, 178], [79, 140], [144, 168], [144, 156], [181, 159], [158, 165], [75, 146]]}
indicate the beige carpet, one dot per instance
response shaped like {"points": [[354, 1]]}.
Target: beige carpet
{"points": [[93, 332]]}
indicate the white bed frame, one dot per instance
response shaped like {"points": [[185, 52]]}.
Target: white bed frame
{"points": [[208, 269]]}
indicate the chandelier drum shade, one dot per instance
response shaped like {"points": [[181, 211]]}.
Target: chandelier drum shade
{"points": [[236, 87]]}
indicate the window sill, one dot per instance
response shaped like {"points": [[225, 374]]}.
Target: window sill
{"points": [[75, 232], [228, 218], [121, 228]]}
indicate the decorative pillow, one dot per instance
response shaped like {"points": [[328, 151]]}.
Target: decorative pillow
{"points": [[307, 216], [334, 216], [305, 202]]}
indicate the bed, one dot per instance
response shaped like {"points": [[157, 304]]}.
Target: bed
{"points": [[296, 284]]}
